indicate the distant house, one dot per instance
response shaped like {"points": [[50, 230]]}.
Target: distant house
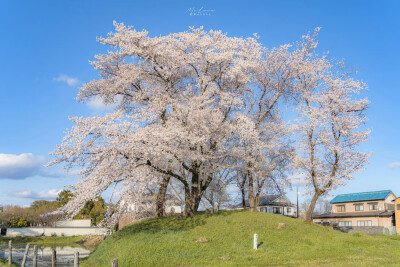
{"points": [[368, 212], [276, 204]]}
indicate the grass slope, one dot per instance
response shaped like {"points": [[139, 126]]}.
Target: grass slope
{"points": [[172, 242]]}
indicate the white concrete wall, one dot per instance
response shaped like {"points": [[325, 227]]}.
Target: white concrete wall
{"points": [[74, 223], [173, 209], [58, 231]]}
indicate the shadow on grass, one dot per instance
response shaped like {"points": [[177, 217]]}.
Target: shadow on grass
{"points": [[171, 223], [259, 244]]}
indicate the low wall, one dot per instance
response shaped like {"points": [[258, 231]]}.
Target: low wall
{"points": [[74, 223], [368, 230], [55, 231]]}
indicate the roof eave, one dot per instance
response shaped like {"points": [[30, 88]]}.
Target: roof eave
{"points": [[335, 202]]}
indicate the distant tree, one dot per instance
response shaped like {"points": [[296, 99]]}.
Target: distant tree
{"points": [[330, 123], [216, 194], [37, 204], [43, 213], [303, 208], [93, 210], [12, 213], [324, 206], [64, 197]]}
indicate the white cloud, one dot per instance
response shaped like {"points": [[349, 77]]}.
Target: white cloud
{"points": [[97, 102], [20, 166], [394, 165], [23, 193], [298, 179], [50, 194], [76, 172], [71, 81]]}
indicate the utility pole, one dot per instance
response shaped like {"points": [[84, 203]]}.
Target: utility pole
{"points": [[297, 202], [283, 199]]}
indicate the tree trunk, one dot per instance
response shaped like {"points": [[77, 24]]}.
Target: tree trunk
{"points": [[162, 191], [252, 202], [243, 191], [192, 205], [312, 207], [243, 198], [194, 194], [192, 201]]}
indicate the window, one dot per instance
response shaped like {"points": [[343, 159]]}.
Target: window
{"points": [[344, 223], [364, 223], [341, 208], [172, 210], [398, 206], [277, 210], [289, 210], [359, 207], [373, 206]]}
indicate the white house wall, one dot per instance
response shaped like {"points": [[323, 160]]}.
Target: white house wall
{"points": [[270, 209]]}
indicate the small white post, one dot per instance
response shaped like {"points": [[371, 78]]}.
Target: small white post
{"points": [[255, 244]]}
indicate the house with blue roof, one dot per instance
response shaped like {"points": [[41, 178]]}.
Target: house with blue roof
{"points": [[368, 212]]}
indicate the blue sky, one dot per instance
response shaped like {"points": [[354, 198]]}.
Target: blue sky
{"points": [[46, 45]]}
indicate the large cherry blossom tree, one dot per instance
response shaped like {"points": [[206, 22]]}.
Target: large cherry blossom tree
{"points": [[181, 97]]}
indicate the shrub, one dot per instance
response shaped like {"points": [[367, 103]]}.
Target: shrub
{"points": [[18, 222]]}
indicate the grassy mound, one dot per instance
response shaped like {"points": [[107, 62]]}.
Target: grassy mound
{"points": [[227, 239]]}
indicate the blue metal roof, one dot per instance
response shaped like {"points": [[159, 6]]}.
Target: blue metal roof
{"points": [[365, 196]]}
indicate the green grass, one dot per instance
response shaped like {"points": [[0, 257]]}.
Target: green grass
{"points": [[172, 242], [44, 240], [4, 263]]}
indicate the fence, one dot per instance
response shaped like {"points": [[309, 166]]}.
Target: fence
{"points": [[114, 262], [368, 230]]}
